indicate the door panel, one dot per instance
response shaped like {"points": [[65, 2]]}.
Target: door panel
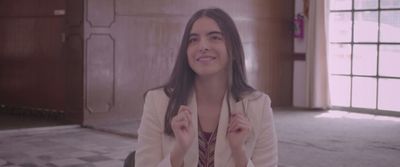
{"points": [[32, 65]]}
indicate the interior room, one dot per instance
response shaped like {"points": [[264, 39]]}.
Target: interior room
{"points": [[74, 76]]}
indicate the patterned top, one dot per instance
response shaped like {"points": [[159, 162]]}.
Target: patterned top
{"points": [[207, 148]]}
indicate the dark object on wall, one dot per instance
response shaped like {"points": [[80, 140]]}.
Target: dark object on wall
{"points": [[299, 26], [306, 7]]}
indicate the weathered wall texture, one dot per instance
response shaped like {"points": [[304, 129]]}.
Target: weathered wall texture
{"points": [[131, 45]]}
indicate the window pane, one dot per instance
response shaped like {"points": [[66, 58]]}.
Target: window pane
{"points": [[340, 27], [389, 94], [364, 92], [365, 4], [390, 26], [365, 59], [340, 4], [339, 58], [389, 60], [390, 4], [366, 26], [340, 90]]}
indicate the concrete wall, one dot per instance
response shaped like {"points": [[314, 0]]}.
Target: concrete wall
{"points": [[131, 45], [299, 65]]}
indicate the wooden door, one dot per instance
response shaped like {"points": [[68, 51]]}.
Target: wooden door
{"points": [[32, 63]]}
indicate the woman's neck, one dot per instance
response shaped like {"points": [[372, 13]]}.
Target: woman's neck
{"points": [[210, 90]]}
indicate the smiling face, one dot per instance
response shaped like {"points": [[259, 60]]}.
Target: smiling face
{"points": [[207, 53]]}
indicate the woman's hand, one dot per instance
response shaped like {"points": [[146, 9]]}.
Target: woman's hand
{"points": [[238, 131], [184, 134]]}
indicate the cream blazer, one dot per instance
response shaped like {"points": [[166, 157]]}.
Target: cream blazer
{"points": [[154, 146]]}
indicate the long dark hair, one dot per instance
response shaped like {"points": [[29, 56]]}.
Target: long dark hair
{"points": [[180, 85]]}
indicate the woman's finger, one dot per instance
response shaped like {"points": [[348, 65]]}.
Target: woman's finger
{"points": [[240, 117], [184, 108], [178, 120], [180, 116], [180, 126], [233, 126], [238, 124], [187, 114], [240, 128]]}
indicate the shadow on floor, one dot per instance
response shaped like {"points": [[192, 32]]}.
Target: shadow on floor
{"points": [[29, 119]]}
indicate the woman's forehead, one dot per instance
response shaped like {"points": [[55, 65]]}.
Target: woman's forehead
{"points": [[205, 25]]}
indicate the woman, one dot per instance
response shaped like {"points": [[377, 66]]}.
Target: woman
{"points": [[206, 114]]}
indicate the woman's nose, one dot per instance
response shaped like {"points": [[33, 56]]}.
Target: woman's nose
{"points": [[204, 45]]}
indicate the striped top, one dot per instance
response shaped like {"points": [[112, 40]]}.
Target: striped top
{"points": [[207, 148]]}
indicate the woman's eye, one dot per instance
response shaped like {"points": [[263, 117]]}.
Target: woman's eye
{"points": [[216, 37], [191, 40]]}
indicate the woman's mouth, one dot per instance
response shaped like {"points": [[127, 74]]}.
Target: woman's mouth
{"points": [[205, 59]]}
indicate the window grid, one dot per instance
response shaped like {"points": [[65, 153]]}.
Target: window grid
{"points": [[366, 10], [377, 75], [377, 60]]}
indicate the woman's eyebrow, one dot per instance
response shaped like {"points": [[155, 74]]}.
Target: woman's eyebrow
{"points": [[214, 32], [209, 33], [193, 34]]}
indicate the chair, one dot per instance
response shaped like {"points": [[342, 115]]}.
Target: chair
{"points": [[130, 160]]}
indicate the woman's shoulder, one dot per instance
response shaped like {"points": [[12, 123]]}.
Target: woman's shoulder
{"points": [[155, 91], [257, 96], [156, 94], [159, 91], [157, 100], [258, 108]]}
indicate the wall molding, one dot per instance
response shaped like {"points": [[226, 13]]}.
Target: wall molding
{"points": [[88, 93], [92, 22]]}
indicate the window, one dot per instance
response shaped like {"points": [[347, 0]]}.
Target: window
{"points": [[364, 58]]}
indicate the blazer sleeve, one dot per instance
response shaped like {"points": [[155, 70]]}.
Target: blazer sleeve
{"points": [[265, 153], [149, 151]]}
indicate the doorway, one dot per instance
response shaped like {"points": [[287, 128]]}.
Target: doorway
{"points": [[34, 68]]}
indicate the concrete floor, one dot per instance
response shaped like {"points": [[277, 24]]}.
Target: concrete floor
{"points": [[63, 146], [337, 139], [306, 139]]}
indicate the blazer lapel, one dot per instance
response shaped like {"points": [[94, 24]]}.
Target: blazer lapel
{"points": [[222, 149], [223, 152], [192, 156]]}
